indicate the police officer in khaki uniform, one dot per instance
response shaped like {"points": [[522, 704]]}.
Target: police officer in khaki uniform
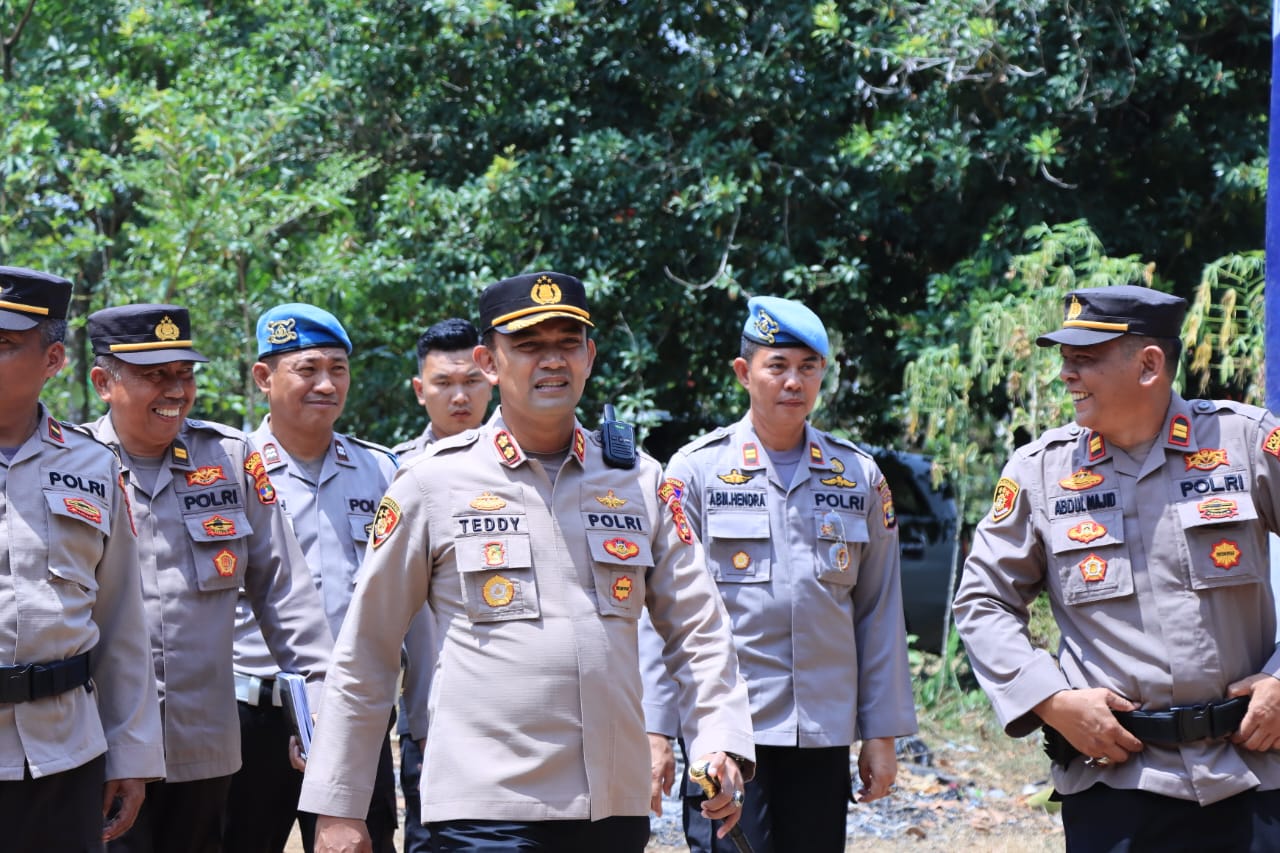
{"points": [[1145, 522], [455, 393], [538, 558], [803, 544], [208, 523], [328, 485], [79, 721]]}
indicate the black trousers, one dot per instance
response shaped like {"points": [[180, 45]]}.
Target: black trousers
{"points": [[178, 817], [798, 801], [611, 835], [417, 838], [61, 813], [1111, 820], [263, 799]]}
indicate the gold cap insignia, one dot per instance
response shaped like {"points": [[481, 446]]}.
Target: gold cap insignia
{"points": [[1074, 309], [766, 326], [281, 331], [611, 500], [488, 502], [167, 330], [545, 291]]}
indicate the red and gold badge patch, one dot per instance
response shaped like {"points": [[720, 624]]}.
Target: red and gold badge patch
{"points": [[206, 475], [671, 490], [84, 509], [1003, 500], [579, 445], [507, 448], [498, 591], [1097, 447], [180, 454], [815, 452], [623, 549], [670, 493], [1217, 509], [886, 505], [385, 520], [261, 482], [750, 455], [1087, 531], [1093, 569], [1225, 554], [741, 561], [55, 431], [225, 563], [1205, 459], [622, 588], [495, 554], [1081, 480], [1271, 444], [1180, 431], [219, 526]]}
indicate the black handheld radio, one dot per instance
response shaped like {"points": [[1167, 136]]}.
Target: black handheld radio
{"points": [[619, 439]]}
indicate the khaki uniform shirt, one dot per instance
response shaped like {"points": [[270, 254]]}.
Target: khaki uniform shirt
{"points": [[69, 584], [537, 590], [1157, 571], [809, 572], [420, 642], [211, 524], [331, 519]]}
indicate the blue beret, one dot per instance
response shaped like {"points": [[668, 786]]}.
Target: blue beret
{"points": [[776, 322], [296, 325]]}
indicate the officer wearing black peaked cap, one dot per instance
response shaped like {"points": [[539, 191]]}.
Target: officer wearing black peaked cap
{"points": [[1145, 521]]}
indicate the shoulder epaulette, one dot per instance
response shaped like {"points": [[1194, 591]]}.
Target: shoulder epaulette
{"points": [[717, 434], [466, 438], [220, 429], [1205, 407], [844, 442], [1057, 435], [371, 445], [85, 432]]}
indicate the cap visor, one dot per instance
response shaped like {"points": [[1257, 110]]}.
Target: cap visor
{"points": [[15, 322], [160, 356], [1076, 337], [534, 319]]}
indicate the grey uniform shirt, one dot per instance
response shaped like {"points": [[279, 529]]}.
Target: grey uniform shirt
{"points": [[69, 584], [809, 573], [210, 524], [1157, 572], [332, 520], [537, 591], [407, 450]]}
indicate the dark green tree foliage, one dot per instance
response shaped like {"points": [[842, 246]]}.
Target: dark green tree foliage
{"points": [[880, 161]]}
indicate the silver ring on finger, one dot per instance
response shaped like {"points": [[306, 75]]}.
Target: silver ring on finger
{"points": [[738, 797], [1100, 761]]}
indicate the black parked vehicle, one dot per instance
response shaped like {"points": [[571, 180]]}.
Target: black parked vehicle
{"points": [[929, 535]]}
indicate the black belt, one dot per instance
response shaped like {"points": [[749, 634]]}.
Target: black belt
{"points": [[1186, 723], [1183, 724], [31, 681]]}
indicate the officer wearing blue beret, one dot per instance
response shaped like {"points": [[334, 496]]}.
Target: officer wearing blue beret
{"points": [[802, 542], [1145, 522], [329, 484], [210, 529]]}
